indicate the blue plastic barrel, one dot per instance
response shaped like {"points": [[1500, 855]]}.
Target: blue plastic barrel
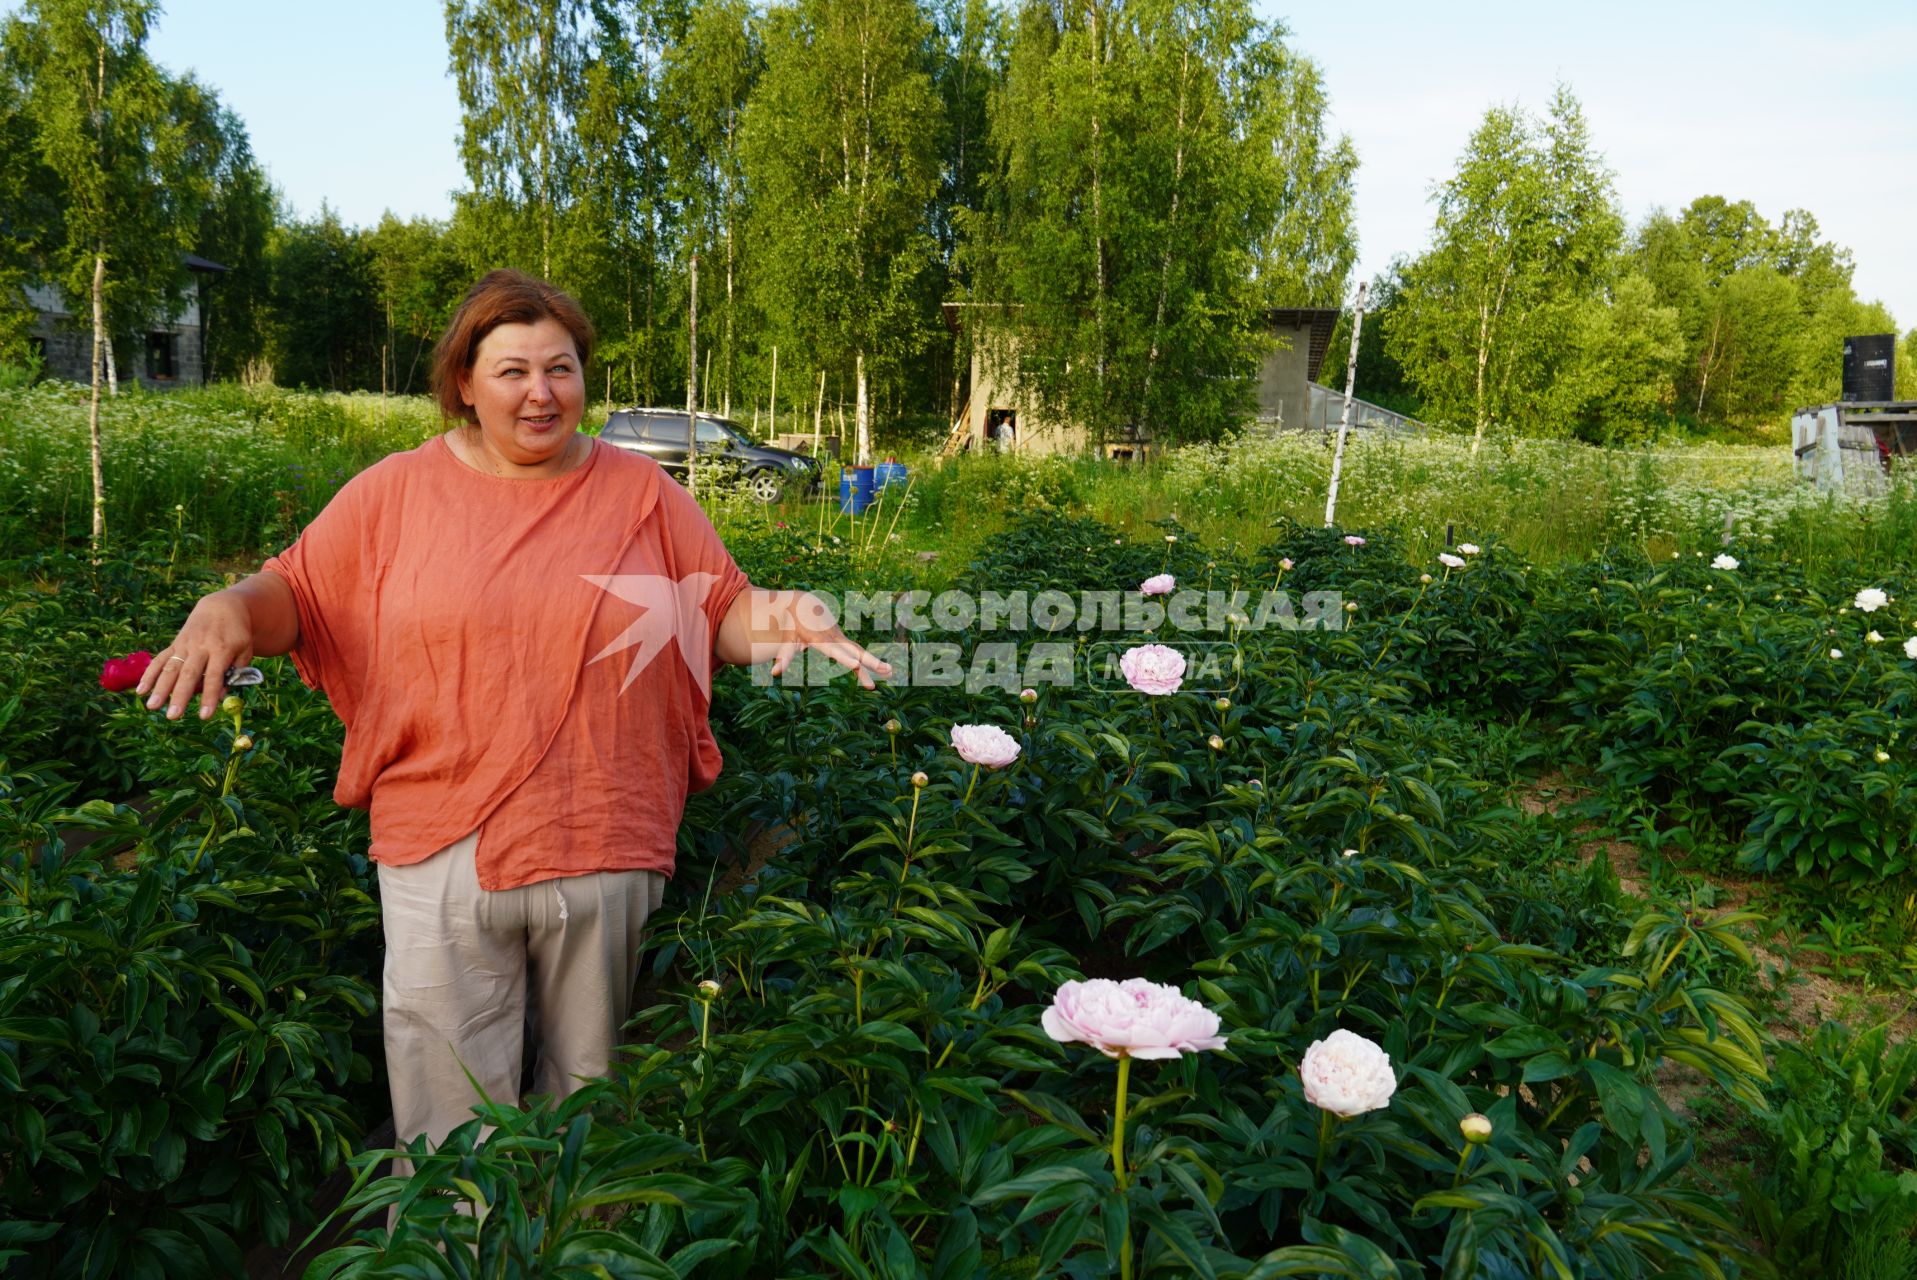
{"points": [[855, 489], [889, 474]]}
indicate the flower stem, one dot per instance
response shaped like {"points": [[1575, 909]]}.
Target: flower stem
{"points": [[1324, 1140], [1118, 1161], [1464, 1158], [968, 787]]}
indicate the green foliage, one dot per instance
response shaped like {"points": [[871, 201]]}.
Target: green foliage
{"points": [[184, 1024], [1837, 1194], [1161, 175], [1502, 321]]}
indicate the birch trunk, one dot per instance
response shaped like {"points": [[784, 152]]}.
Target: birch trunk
{"points": [[93, 415], [1344, 421], [862, 415], [692, 385]]}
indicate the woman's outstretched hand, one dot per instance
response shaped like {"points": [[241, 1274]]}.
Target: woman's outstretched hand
{"points": [[227, 629], [778, 626], [218, 634]]}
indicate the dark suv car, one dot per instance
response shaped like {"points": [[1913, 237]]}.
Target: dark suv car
{"points": [[661, 434]]}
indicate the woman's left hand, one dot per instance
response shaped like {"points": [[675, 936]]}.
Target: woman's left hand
{"points": [[778, 626]]}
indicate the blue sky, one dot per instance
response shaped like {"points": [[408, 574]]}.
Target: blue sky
{"points": [[349, 102]]}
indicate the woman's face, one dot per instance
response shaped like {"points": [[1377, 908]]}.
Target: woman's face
{"points": [[527, 390]]}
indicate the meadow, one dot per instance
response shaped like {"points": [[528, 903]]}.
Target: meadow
{"points": [[1597, 816]]}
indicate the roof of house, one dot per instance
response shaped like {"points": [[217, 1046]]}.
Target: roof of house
{"points": [[194, 262], [1320, 321]]}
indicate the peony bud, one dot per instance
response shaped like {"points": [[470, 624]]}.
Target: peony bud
{"points": [[1425, 579], [1285, 564], [1351, 606], [1215, 742], [892, 727], [1222, 704], [1476, 1128], [231, 704], [244, 742], [708, 990], [1028, 696], [1883, 756], [920, 780]]}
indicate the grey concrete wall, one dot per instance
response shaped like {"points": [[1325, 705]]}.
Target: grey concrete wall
{"points": [[1284, 382], [67, 344]]}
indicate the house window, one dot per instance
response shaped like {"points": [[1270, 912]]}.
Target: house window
{"points": [[159, 357]]}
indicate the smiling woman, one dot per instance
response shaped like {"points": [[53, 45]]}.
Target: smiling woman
{"points": [[457, 603], [512, 368]]}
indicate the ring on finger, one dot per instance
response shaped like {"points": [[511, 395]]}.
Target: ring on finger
{"points": [[175, 658]]}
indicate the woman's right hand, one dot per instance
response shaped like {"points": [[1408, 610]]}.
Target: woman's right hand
{"points": [[218, 635]]}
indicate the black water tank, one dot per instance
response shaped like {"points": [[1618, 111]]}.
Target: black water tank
{"points": [[1869, 371]]}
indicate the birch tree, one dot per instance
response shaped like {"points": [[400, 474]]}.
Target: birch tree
{"points": [[516, 63], [1160, 177], [839, 146], [127, 193], [1494, 321]]}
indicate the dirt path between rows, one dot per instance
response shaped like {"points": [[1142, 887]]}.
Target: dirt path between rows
{"points": [[1804, 997]]}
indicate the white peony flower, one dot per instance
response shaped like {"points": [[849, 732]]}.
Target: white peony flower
{"points": [[1468, 548], [1873, 638], [1836, 653], [1450, 561], [1347, 1075], [1131, 1019], [985, 744], [1910, 648], [1724, 562], [1870, 600]]}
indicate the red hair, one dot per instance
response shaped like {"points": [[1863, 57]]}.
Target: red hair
{"points": [[501, 297]]}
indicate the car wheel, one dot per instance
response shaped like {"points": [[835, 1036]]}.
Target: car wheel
{"points": [[765, 485]]}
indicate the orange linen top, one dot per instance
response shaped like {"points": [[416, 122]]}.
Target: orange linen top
{"points": [[526, 658]]}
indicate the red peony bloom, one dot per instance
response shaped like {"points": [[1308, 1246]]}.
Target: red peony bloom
{"points": [[121, 674]]}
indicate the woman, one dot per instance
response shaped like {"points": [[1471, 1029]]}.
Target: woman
{"points": [[515, 623]]}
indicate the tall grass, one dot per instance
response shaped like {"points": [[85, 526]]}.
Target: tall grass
{"points": [[249, 467]]}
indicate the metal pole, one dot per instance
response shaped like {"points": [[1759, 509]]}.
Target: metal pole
{"points": [[1344, 422]]}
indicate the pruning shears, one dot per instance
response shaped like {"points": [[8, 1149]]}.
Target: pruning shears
{"points": [[241, 677]]}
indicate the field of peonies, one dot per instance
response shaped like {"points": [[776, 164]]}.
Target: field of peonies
{"points": [[1140, 978]]}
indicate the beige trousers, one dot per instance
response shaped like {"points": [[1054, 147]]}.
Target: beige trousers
{"points": [[470, 971]]}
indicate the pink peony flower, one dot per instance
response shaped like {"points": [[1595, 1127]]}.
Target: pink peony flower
{"points": [[1153, 668], [120, 674], [1347, 1075], [1353, 540], [1131, 1019], [1157, 585], [985, 744]]}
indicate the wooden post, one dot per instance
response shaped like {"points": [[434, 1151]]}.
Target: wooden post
{"points": [[1344, 422]]}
